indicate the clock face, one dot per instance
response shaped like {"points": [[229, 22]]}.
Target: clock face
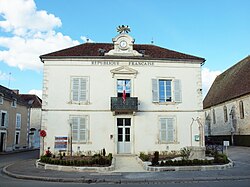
{"points": [[123, 44]]}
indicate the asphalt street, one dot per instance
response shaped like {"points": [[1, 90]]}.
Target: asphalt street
{"points": [[236, 176]]}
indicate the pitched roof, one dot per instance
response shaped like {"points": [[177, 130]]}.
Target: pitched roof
{"points": [[232, 83], [33, 100], [93, 50], [11, 95]]}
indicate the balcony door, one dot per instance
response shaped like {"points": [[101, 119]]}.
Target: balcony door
{"points": [[123, 87], [124, 135]]}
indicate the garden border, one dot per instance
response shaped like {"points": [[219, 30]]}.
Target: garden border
{"points": [[146, 166], [75, 168]]}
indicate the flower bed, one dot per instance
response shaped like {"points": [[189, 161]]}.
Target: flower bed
{"points": [[90, 161]]}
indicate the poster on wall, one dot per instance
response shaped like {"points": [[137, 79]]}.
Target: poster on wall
{"points": [[61, 143]]}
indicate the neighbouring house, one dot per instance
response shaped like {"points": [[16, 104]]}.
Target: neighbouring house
{"points": [[35, 104], [14, 121], [227, 105], [127, 98]]}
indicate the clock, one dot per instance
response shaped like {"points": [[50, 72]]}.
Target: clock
{"points": [[123, 44]]}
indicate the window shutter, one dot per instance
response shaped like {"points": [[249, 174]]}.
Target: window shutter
{"points": [[163, 130], [75, 88], [155, 90], [6, 120], [74, 129], [83, 89], [83, 130], [177, 91], [170, 129]]}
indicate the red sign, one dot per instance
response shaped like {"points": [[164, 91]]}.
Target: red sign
{"points": [[43, 133]]}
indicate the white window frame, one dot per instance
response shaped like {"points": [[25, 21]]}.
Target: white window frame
{"points": [[75, 125], [79, 92], [5, 120], [18, 131], [18, 121], [176, 92], [14, 103], [167, 130]]}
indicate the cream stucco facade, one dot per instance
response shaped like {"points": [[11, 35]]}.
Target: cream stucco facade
{"points": [[153, 126]]}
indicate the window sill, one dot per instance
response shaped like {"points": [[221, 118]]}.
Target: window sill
{"points": [[79, 103], [81, 143], [165, 103], [168, 142]]}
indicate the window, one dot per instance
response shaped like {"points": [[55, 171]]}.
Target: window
{"points": [[167, 130], [4, 119], [1, 99], [241, 110], [13, 103], [79, 125], [123, 85], [214, 121], [166, 90], [79, 89], [225, 114], [17, 138], [18, 121]]}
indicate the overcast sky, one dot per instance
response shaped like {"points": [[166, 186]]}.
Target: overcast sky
{"points": [[217, 30]]}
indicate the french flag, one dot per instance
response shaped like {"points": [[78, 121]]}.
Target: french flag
{"points": [[124, 93]]}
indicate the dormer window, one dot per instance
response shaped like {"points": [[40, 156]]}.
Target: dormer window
{"points": [[13, 104]]}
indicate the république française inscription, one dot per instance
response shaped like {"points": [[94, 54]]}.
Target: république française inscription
{"points": [[113, 63]]}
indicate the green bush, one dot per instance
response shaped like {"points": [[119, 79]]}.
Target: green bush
{"points": [[144, 157]]}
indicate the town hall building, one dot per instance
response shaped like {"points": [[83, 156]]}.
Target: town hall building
{"points": [[125, 97]]}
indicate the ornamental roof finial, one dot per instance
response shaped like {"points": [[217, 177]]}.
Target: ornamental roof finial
{"points": [[123, 29]]}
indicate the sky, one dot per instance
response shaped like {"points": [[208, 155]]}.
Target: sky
{"points": [[217, 30]]}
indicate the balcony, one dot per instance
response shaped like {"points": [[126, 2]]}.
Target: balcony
{"points": [[130, 104]]}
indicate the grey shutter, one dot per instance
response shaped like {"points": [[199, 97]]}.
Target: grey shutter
{"points": [[155, 90], [163, 130], [74, 129], [83, 130], [177, 91], [6, 120], [170, 130], [75, 88], [83, 89]]}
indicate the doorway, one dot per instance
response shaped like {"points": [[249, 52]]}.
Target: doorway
{"points": [[124, 135], [2, 141]]}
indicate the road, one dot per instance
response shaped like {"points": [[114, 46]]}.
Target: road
{"points": [[241, 159]]}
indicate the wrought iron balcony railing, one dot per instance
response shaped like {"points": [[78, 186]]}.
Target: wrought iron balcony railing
{"points": [[130, 104]]}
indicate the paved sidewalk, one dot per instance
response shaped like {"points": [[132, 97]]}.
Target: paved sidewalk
{"points": [[241, 155], [127, 164]]}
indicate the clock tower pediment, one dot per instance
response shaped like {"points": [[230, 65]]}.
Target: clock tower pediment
{"points": [[123, 46]]}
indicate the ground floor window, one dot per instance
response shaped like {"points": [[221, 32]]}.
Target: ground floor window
{"points": [[79, 128], [167, 130]]}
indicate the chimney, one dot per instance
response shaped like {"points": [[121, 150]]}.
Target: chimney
{"points": [[16, 91]]}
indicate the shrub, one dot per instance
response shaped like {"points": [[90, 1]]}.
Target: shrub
{"points": [[185, 153], [144, 157]]}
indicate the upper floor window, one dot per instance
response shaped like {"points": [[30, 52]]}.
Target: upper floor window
{"points": [[166, 90], [214, 117], [1, 99], [167, 130], [13, 103], [79, 89], [18, 121], [225, 114], [4, 118], [79, 125], [123, 87], [241, 105]]}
